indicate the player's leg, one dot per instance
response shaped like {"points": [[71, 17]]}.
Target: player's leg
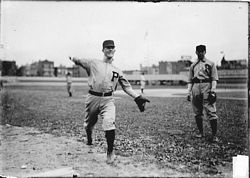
{"points": [[108, 115], [110, 137], [70, 90], [197, 104], [142, 86], [91, 115], [210, 110]]}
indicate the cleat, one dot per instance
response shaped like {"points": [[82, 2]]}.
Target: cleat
{"points": [[215, 139], [90, 147], [110, 158], [199, 135]]}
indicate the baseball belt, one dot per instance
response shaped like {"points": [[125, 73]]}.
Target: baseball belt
{"points": [[100, 94], [196, 80]]}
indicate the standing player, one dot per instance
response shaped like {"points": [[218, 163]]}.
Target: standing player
{"points": [[143, 82], [69, 83], [1, 85], [103, 79], [202, 82]]}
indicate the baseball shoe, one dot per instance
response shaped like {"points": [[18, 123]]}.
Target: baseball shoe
{"points": [[215, 139], [90, 147], [110, 158], [199, 135]]}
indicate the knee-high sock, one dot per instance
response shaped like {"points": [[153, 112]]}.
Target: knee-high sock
{"points": [[110, 137], [213, 126], [199, 123], [89, 136]]}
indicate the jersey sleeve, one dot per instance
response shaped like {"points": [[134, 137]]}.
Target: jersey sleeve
{"points": [[214, 73], [126, 86], [84, 63], [190, 74]]}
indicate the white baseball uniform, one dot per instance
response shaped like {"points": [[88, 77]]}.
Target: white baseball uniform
{"points": [[201, 74], [103, 80], [69, 83], [143, 82]]}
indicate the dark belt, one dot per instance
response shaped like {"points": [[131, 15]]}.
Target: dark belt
{"points": [[196, 80], [100, 94]]}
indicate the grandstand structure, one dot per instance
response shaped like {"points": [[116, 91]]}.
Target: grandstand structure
{"points": [[225, 76]]}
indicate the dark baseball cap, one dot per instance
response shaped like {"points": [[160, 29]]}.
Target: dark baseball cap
{"points": [[108, 43], [201, 48]]}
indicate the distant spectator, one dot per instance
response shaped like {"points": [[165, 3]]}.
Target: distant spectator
{"points": [[1, 85], [143, 82], [69, 83]]}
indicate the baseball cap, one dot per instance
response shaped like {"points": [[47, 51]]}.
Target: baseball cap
{"points": [[201, 48], [108, 43]]}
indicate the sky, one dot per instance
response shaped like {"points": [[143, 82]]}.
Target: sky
{"points": [[144, 33]]}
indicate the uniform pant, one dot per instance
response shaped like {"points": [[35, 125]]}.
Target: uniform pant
{"points": [[143, 84], [200, 102], [69, 88], [103, 106]]}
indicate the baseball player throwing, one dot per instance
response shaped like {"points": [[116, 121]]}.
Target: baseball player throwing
{"points": [[202, 83], [103, 80]]}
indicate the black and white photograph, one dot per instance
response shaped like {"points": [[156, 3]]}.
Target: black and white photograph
{"points": [[124, 88]]}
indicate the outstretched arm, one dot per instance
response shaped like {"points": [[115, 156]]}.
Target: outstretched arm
{"points": [[80, 62], [84, 63]]}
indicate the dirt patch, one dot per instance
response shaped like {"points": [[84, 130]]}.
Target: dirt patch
{"points": [[28, 152]]}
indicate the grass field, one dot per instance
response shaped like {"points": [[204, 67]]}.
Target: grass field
{"points": [[163, 134]]}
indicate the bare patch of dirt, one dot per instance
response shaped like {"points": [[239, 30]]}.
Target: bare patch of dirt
{"points": [[28, 152]]}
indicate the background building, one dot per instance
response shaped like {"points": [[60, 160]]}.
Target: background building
{"points": [[8, 68], [172, 67], [132, 72], [233, 64], [78, 71], [60, 71], [46, 68], [153, 70], [34, 69], [41, 68]]}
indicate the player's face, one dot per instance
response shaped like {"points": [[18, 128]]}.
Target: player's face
{"points": [[201, 54], [109, 52]]}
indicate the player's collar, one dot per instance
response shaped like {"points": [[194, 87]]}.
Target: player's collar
{"points": [[202, 60], [108, 60]]}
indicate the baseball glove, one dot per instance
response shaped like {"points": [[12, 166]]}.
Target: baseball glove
{"points": [[211, 97], [141, 102], [189, 97]]}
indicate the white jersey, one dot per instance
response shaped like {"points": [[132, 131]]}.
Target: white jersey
{"points": [[143, 78], [68, 79], [104, 76]]}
